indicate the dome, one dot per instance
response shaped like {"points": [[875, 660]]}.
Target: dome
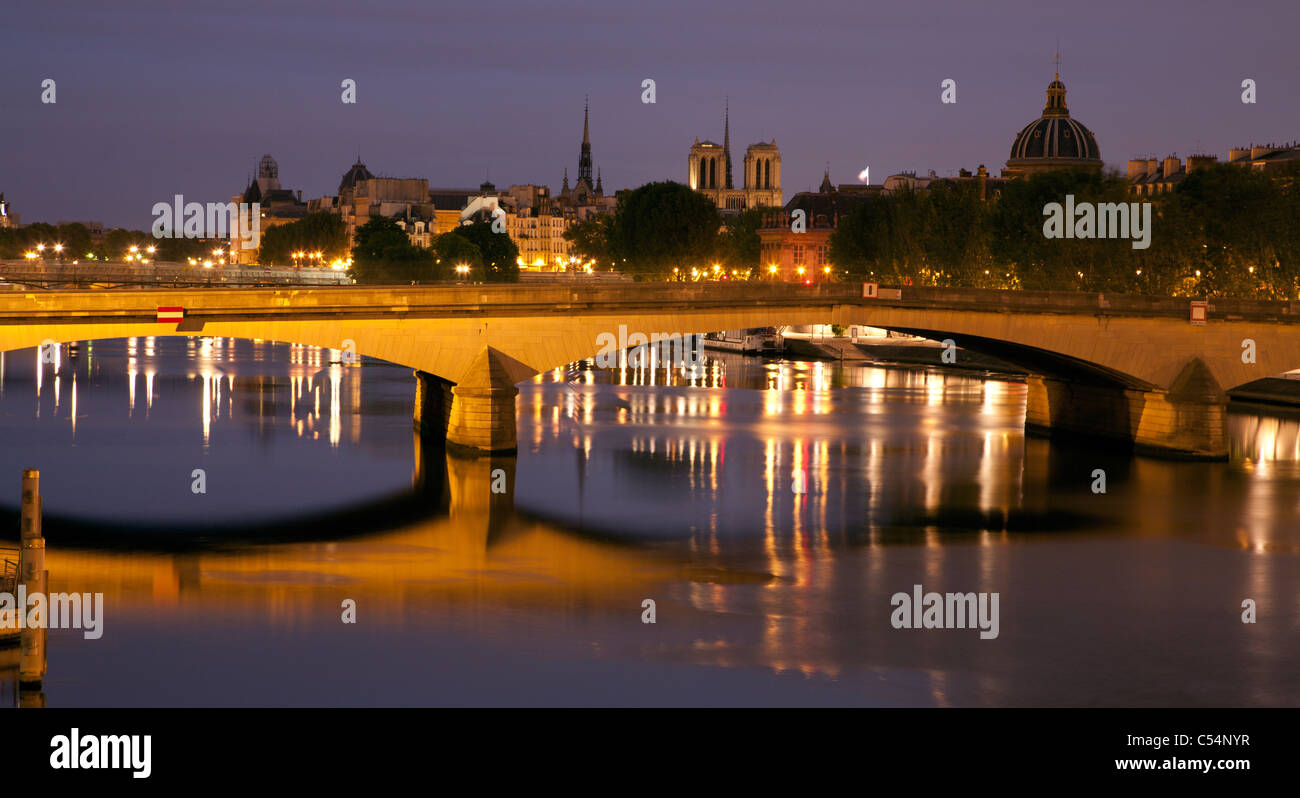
{"points": [[1054, 140], [350, 178]]}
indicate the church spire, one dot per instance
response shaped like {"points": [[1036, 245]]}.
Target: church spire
{"points": [[726, 139], [565, 190], [584, 158], [599, 188]]}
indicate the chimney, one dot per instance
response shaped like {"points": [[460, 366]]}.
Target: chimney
{"points": [[1153, 167], [1259, 152], [300, 195], [1137, 169], [982, 177], [1238, 154], [1195, 162], [1172, 165]]}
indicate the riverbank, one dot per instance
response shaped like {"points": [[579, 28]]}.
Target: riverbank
{"points": [[893, 351], [1270, 394]]}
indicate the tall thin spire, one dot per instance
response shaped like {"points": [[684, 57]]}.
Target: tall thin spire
{"points": [[599, 189], [584, 158], [726, 138]]}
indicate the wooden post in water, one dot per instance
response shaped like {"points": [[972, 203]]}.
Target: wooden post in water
{"points": [[32, 575]]}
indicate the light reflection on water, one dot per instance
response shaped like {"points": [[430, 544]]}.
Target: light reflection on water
{"points": [[634, 484]]}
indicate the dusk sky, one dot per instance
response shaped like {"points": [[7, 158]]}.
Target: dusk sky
{"points": [[160, 98]]}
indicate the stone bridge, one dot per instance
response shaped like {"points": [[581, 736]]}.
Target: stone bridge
{"points": [[1128, 368]]}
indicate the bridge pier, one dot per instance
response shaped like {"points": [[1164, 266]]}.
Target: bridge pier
{"points": [[475, 415], [433, 400], [1180, 423]]}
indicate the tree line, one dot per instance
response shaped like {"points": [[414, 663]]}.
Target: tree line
{"points": [[383, 253], [1223, 231], [79, 244], [661, 231]]}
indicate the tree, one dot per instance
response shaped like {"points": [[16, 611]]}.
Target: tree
{"points": [[1240, 219], [660, 226], [316, 232], [1072, 264], [591, 239], [75, 239], [451, 250], [499, 256], [118, 242], [740, 245], [384, 254]]}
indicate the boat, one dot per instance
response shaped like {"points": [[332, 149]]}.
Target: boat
{"points": [[755, 340]]}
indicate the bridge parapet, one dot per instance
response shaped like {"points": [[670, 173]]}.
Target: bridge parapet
{"points": [[1099, 341]]}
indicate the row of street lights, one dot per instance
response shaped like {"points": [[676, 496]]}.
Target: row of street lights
{"points": [[134, 254]]}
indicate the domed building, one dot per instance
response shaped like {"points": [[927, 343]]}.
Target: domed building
{"points": [[350, 177], [1053, 141]]}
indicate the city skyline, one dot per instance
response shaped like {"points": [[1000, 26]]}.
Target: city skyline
{"points": [[68, 163]]}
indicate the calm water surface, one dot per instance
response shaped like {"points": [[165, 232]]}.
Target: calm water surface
{"points": [[631, 485]]}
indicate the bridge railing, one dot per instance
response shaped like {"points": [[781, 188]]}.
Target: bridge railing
{"points": [[116, 274], [8, 571], [623, 296]]}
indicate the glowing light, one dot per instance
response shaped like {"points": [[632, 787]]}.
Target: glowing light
{"points": [[865, 175]]}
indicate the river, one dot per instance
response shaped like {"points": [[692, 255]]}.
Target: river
{"points": [[235, 500]]}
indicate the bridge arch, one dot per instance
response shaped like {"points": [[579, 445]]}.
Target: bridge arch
{"points": [[1131, 367]]}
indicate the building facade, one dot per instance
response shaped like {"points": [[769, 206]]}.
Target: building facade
{"points": [[276, 205], [1265, 157], [709, 171], [795, 240]]}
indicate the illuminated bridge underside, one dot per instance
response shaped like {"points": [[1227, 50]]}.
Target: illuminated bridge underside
{"points": [[1128, 368]]}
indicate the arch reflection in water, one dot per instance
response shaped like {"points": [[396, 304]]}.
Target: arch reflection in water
{"points": [[627, 490]]}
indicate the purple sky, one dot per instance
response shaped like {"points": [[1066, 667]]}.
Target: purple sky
{"points": [[159, 98]]}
